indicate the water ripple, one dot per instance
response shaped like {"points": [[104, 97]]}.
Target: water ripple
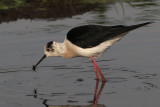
{"points": [[117, 79], [145, 76]]}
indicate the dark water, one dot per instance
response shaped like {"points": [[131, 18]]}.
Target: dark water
{"points": [[11, 10], [131, 66]]}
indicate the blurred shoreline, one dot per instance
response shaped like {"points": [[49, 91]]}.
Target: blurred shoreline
{"points": [[12, 10]]}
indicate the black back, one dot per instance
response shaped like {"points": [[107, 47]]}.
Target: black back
{"points": [[88, 36]]}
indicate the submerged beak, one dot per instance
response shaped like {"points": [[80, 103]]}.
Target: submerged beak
{"points": [[34, 66]]}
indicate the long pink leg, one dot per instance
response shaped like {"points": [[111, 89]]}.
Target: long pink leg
{"points": [[96, 66], [95, 71]]}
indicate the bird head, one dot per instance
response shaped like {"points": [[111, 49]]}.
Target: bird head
{"points": [[49, 50]]}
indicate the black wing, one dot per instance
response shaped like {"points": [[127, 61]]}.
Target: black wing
{"points": [[92, 35]]}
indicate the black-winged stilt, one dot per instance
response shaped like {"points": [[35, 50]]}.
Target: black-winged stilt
{"points": [[89, 41]]}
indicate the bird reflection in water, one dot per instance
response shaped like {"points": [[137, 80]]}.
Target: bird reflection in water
{"points": [[97, 94], [94, 102]]}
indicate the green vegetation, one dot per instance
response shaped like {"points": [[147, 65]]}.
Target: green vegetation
{"points": [[8, 4], [18, 3], [97, 1], [41, 9], [3, 6]]}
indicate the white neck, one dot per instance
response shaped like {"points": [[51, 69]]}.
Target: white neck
{"points": [[65, 49], [60, 48]]}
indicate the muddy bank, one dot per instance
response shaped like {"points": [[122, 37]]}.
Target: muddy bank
{"points": [[11, 10], [41, 9]]}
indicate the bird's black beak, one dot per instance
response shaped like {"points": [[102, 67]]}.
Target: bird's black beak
{"points": [[34, 66]]}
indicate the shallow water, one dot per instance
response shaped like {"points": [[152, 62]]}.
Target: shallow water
{"points": [[131, 66]]}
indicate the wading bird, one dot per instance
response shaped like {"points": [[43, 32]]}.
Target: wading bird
{"points": [[89, 41]]}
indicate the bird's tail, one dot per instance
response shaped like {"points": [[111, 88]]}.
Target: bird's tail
{"points": [[126, 29], [132, 27]]}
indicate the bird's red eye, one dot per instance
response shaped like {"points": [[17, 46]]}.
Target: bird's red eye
{"points": [[48, 49]]}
